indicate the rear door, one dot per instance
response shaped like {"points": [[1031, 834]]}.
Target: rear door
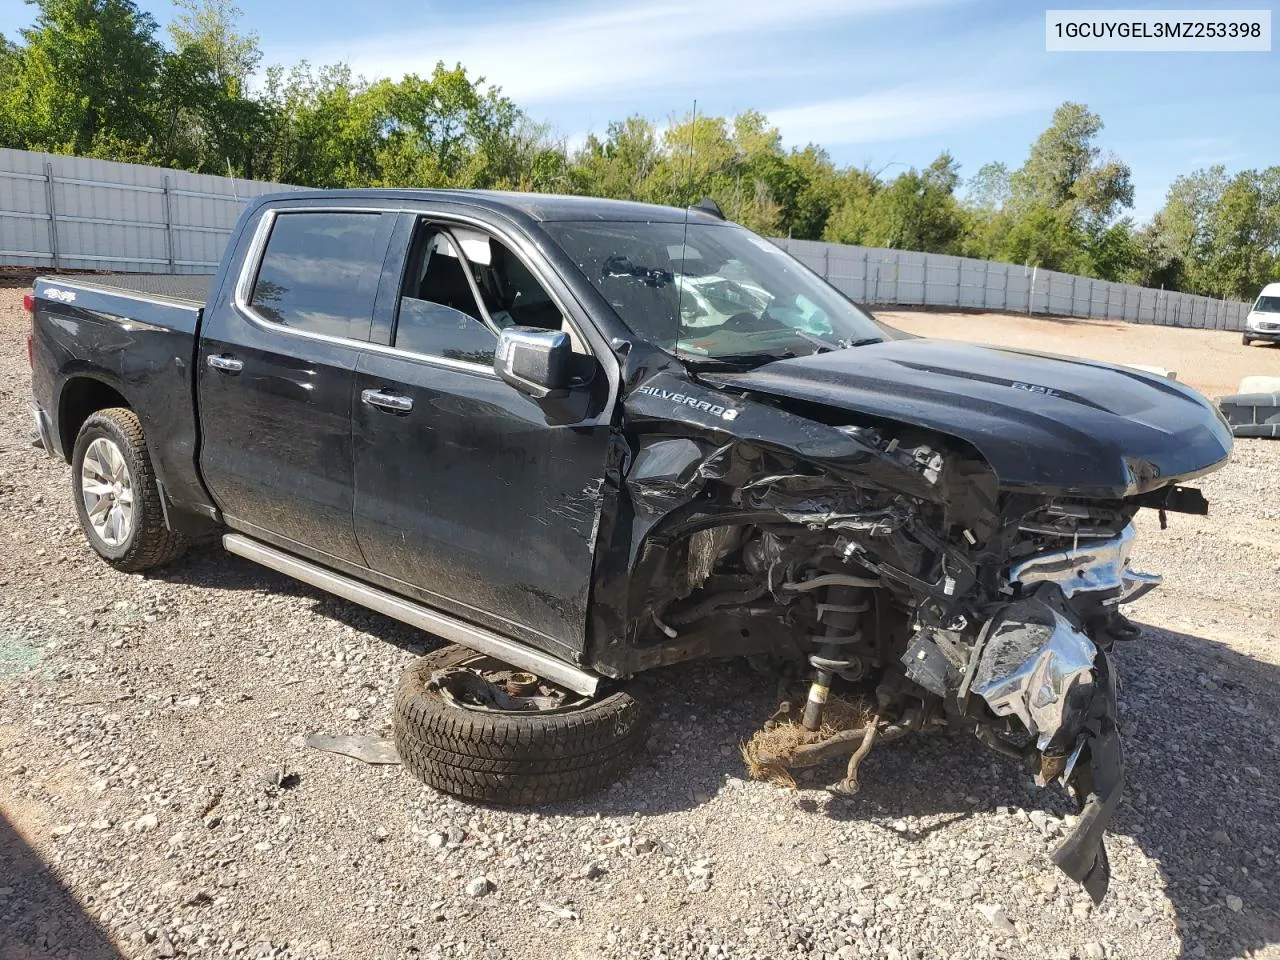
{"points": [[465, 493], [276, 373]]}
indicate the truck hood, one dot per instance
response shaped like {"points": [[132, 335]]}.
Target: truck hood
{"points": [[1046, 424]]}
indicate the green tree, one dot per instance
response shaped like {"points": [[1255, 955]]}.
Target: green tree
{"points": [[621, 164], [213, 27], [86, 76], [1224, 230], [851, 211], [806, 210], [209, 120], [1059, 209], [916, 210]]}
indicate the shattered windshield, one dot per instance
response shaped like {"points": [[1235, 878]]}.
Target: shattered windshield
{"points": [[723, 294]]}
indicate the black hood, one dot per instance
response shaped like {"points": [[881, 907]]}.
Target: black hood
{"points": [[1046, 424]]}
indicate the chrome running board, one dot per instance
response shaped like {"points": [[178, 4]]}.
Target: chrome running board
{"points": [[416, 615]]}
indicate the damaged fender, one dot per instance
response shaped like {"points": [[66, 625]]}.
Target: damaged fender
{"points": [[886, 557]]}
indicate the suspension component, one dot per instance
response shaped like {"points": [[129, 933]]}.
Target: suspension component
{"points": [[849, 785], [840, 614]]}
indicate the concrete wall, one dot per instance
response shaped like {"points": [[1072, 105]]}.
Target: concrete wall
{"points": [[899, 277], [74, 213]]}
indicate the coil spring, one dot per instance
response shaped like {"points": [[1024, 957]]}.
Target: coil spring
{"points": [[830, 655]]}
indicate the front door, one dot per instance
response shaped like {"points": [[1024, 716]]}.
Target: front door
{"points": [[465, 494], [277, 369]]}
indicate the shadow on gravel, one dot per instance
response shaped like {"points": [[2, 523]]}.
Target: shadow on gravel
{"points": [[39, 918], [1202, 748]]}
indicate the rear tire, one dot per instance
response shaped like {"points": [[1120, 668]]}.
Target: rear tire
{"points": [[112, 476], [512, 758]]}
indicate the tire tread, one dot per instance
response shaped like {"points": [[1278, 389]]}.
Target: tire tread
{"points": [[507, 758]]}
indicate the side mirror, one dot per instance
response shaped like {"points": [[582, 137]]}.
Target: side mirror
{"points": [[535, 361]]}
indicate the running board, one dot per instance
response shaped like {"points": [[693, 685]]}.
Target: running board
{"points": [[416, 615]]}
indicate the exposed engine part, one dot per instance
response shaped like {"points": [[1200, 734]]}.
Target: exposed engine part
{"points": [[989, 738], [936, 660], [767, 757], [890, 561], [489, 685], [521, 684], [706, 547], [752, 591]]}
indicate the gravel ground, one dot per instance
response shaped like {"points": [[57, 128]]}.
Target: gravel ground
{"points": [[156, 800]]}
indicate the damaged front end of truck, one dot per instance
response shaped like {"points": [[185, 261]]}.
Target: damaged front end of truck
{"points": [[907, 573]]}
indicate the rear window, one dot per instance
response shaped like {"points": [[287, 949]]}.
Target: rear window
{"points": [[319, 273]]}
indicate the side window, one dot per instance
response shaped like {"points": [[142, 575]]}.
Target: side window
{"points": [[438, 314], [319, 273], [512, 294]]}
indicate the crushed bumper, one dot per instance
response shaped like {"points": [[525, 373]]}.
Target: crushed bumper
{"points": [[1098, 780], [1042, 669]]}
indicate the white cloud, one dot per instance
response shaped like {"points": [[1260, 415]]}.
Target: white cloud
{"points": [[901, 113], [596, 49]]}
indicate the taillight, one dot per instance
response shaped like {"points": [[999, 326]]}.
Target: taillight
{"points": [[28, 302]]}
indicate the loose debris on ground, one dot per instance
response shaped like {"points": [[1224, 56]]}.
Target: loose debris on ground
{"points": [[158, 798]]}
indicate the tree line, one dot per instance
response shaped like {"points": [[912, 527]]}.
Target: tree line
{"points": [[98, 78]]}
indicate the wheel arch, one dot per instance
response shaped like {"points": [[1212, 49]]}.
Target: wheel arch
{"points": [[81, 396]]}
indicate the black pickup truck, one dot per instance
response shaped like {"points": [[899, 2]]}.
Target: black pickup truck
{"points": [[582, 439]]}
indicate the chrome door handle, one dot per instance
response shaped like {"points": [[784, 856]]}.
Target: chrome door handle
{"points": [[387, 401], [225, 363]]}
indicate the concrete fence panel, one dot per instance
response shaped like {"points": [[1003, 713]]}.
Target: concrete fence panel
{"points": [[78, 213], [904, 278]]}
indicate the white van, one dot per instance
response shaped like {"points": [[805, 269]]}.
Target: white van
{"points": [[1263, 322]]}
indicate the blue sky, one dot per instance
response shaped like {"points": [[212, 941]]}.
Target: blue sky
{"points": [[878, 82]]}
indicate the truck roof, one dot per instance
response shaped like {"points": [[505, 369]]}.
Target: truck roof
{"points": [[542, 207], [1270, 290]]}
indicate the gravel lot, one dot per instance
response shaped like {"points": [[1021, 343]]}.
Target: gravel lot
{"points": [[156, 800]]}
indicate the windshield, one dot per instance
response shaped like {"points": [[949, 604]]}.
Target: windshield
{"points": [[1267, 305], [724, 294]]}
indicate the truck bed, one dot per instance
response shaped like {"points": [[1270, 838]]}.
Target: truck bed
{"points": [[135, 335], [193, 290]]}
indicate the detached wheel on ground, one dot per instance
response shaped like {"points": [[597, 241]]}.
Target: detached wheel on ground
{"points": [[117, 498], [475, 728]]}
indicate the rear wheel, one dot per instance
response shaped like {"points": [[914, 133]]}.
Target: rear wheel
{"points": [[116, 495], [473, 727]]}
